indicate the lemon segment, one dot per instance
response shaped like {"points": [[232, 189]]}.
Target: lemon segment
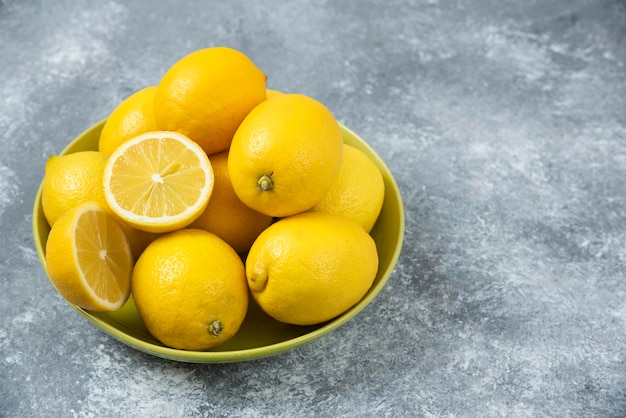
{"points": [[158, 181]]}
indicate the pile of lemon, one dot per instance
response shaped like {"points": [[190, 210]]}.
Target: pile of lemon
{"points": [[208, 188]]}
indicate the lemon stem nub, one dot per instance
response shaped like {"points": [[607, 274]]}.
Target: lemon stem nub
{"points": [[265, 182], [215, 328]]}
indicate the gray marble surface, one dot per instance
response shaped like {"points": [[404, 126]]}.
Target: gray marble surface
{"points": [[504, 125]]}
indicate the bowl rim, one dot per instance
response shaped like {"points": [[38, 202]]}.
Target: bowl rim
{"points": [[237, 355]]}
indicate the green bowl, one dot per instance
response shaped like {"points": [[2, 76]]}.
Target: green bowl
{"points": [[260, 335]]}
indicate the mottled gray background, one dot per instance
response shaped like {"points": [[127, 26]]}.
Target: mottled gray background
{"points": [[504, 124]]}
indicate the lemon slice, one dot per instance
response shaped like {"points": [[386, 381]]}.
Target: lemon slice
{"points": [[158, 181], [89, 260]]}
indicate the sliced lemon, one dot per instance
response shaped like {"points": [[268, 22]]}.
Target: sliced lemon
{"points": [[89, 260], [158, 181]]}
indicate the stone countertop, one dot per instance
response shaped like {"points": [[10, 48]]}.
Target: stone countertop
{"points": [[504, 125]]}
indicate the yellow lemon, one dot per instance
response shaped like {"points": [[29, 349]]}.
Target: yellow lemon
{"points": [[225, 215], [206, 95], [358, 192], [272, 93], [70, 180], [285, 155], [311, 267], [89, 260], [137, 239], [133, 116], [190, 289], [158, 181]]}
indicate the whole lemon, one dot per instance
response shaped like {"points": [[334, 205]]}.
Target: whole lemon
{"points": [[206, 95], [272, 93], [358, 192], [311, 267], [225, 215], [137, 239], [190, 289], [285, 155], [70, 180], [133, 116]]}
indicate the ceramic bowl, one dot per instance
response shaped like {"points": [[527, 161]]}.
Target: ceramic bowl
{"points": [[260, 335]]}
